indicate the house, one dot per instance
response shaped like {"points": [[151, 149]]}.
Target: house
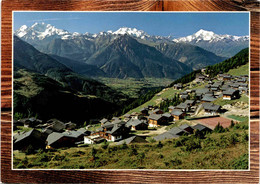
{"points": [[190, 102], [33, 137], [202, 128], [70, 126], [31, 122], [230, 94], [93, 139], [56, 125], [184, 97], [201, 92], [183, 93], [186, 128], [224, 87], [157, 111], [208, 98], [165, 135], [171, 108], [137, 124], [155, 120], [84, 131], [133, 139], [144, 111], [211, 108], [168, 116], [78, 136], [183, 106], [58, 140], [177, 114], [178, 86], [243, 90], [118, 132], [177, 131]]}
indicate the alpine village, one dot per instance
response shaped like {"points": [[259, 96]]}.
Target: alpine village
{"points": [[129, 100]]}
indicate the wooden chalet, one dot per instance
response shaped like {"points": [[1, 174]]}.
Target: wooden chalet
{"points": [[190, 102], [208, 98], [137, 124], [171, 108], [133, 139], [33, 137], [178, 86], [230, 94], [186, 128], [58, 140], [177, 114], [202, 128], [211, 108], [157, 111], [183, 107], [155, 120], [144, 111], [168, 116]]}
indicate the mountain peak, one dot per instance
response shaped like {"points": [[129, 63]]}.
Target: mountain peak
{"points": [[39, 31], [130, 31], [209, 36]]}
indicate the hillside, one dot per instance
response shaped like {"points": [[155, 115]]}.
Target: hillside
{"points": [[40, 96], [240, 62], [27, 57], [215, 151]]}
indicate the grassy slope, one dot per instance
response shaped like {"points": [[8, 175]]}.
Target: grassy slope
{"points": [[241, 70], [218, 151]]}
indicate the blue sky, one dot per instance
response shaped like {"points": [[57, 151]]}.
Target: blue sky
{"points": [[164, 24]]}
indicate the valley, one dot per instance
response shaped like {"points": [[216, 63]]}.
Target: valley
{"points": [[125, 99]]}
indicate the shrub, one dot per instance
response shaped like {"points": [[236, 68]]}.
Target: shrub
{"points": [[160, 156], [176, 162], [232, 124], [104, 145], [245, 137], [219, 128], [159, 145], [141, 157], [29, 150], [124, 146], [58, 157], [233, 138], [133, 151], [192, 144]]}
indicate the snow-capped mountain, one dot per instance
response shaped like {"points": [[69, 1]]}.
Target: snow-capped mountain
{"points": [[209, 36], [41, 31], [222, 45]]}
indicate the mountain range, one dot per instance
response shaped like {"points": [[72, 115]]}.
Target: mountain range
{"points": [[115, 54], [222, 45], [47, 88]]}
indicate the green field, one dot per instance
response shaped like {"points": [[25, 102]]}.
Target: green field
{"points": [[132, 87], [228, 150], [241, 70], [238, 118]]}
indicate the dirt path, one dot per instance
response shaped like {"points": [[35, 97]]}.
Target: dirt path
{"points": [[158, 131]]}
